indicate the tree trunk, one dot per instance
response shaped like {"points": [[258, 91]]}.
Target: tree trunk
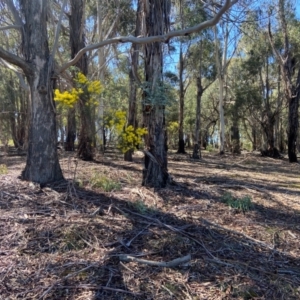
{"points": [[293, 120], [85, 145], [268, 127], [133, 78], [101, 70], [221, 67], [235, 139], [197, 148], [293, 94], [61, 130], [155, 172], [254, 138], [18, 116], [42, 165], [291, 87], [24, 119], [71, 130], [181, 149], [279, 109]]}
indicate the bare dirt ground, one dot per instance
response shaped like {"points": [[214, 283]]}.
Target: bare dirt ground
{"points": [[72, 240]]}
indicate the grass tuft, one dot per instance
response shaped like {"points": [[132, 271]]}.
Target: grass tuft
{"points": [[104, 182], [240, 204]]}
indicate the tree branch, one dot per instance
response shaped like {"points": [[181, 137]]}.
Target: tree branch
{"points": [[276, 53], [15, 60], [9, 57], [58, 29], [17, 72], [15, 13], [10, 27], [151, 39]]}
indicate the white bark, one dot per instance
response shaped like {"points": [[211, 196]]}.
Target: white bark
{"points": [[221, 69]]}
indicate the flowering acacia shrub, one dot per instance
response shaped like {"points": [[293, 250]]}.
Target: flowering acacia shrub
{"points": [[84, 88], [129, 138]]}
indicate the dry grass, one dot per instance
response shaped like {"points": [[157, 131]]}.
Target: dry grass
{"points": [[65, 241]]}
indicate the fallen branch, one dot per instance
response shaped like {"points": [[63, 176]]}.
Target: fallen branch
{"points": [[169, 264]]}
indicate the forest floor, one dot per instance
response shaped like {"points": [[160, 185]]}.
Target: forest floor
{"points": [[231, 223]]}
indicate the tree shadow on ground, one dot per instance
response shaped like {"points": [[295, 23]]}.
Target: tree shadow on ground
{"points": [[242, 183], [230, 167], [129, 166], [64, 242]]}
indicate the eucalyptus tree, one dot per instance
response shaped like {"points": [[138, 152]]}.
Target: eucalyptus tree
{"points": [[184, 10], [190, 13], [157, 22], [37, 62], [13, 108], [14, 91], [290, 72], [133, 74], [42, 161], [221, 67], [19, 103], [244, 101], [77, 42], [257, 71], [112, 18], [202, 66]]}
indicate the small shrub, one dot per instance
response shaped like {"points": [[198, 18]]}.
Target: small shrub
{"points": [[84, 88], [247, 146], [3, 169], [129, 138], [240, 204], [104, 182], [210, 148], [140, 206]]}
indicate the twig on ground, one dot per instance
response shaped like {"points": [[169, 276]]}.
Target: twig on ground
{"points": [[170, 264], [126, 267], [165, 288]]}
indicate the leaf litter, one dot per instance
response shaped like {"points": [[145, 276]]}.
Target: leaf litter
{"points": [[72, 240]]}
